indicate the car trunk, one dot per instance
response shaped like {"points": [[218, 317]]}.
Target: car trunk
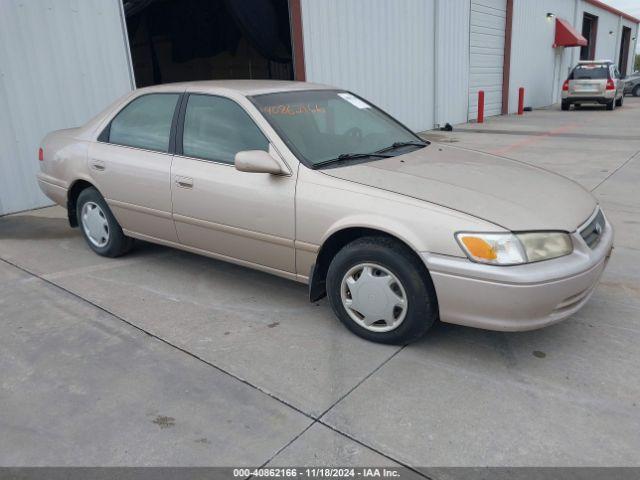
{"points": [[589, 81]]}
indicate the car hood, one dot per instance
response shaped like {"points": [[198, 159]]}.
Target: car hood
{"points": [[505, 192]]}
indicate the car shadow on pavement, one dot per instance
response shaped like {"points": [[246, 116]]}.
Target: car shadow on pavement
{"points": [[34, 227]]}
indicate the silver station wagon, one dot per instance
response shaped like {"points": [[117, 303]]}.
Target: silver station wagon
{"points": [[317, 185]]}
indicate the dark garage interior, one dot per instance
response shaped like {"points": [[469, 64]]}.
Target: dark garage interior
{"points": [[186, 40]]}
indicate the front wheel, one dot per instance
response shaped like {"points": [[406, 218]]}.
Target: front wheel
{"points": [[99, 227], [636, 91], [379, 291]]}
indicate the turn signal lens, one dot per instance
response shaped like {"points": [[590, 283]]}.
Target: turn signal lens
{"points": [[492, 248], [479, 248]]}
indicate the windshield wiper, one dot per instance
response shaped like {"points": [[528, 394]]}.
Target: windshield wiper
{"points": [[403, 144], [351, 156]]}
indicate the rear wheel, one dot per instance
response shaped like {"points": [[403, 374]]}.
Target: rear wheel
{"points": [[611, 105], [566, 106], [99, 227], [379, 291], [636, 91], [620, 101]]}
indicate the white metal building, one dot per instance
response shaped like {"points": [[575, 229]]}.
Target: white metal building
{"points": [[62, 61], [425, 60]]}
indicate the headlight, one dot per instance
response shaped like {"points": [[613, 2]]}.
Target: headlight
{"points": [[514, 248], [545, 245]]}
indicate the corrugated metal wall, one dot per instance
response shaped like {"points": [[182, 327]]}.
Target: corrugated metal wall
{"points": [[635, 29], [608, 43], [428, 73], [61, 62], [535, 65], [452, 62], [609, 25], [379, 49], [542, 69]]}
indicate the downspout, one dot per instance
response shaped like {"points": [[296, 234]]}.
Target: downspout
{"points": [[506, 63]]}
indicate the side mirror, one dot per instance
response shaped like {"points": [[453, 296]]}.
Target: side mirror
{"points": [[257, 161]]}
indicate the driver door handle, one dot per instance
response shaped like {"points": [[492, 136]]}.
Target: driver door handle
{"points": [[184, 182]]}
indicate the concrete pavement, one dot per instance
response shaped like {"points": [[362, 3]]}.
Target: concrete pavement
{"points": [[166, 358]]}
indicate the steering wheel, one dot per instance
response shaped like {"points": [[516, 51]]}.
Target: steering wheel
{"points": [[354, 134]]}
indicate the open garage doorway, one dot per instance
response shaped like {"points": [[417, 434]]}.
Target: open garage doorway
{"points": [[590, 32], [186, 40], [625, 45]]}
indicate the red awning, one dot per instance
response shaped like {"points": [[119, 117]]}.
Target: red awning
{"points": [[567, 36]]}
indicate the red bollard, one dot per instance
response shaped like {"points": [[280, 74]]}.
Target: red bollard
{"points": [[521, 101], [481, 106]]}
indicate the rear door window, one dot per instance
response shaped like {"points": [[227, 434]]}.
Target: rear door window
{"points": [[145, 122], [590, 72]]}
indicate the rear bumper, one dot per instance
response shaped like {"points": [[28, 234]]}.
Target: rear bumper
{"points": [[52, 188], [518, 298], [601, 99]]}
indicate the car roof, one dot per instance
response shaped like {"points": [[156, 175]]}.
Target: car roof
{"points": [[594, 62], [242, 87]]}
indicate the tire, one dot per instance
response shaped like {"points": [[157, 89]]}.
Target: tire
{"points": [[636, 91], [620, 102], [99, 227], [565, 106], [611, 105], [392, 267]]}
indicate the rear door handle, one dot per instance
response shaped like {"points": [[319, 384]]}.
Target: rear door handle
{"points": [[184, 182], [97, 165]]}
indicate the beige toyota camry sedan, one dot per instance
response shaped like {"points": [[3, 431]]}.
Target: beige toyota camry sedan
{"points": [[318, 185]]}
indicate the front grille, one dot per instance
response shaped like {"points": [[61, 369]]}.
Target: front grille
{"points": [[592, 233]]}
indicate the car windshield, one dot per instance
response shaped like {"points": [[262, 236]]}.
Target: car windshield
{"points": [[327, 126], [590, 72]]}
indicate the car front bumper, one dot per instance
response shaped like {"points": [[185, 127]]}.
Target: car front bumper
{"points": [[518, 298]]}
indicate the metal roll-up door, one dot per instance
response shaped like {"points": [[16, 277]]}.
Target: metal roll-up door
{"points": [[486, 54]]}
